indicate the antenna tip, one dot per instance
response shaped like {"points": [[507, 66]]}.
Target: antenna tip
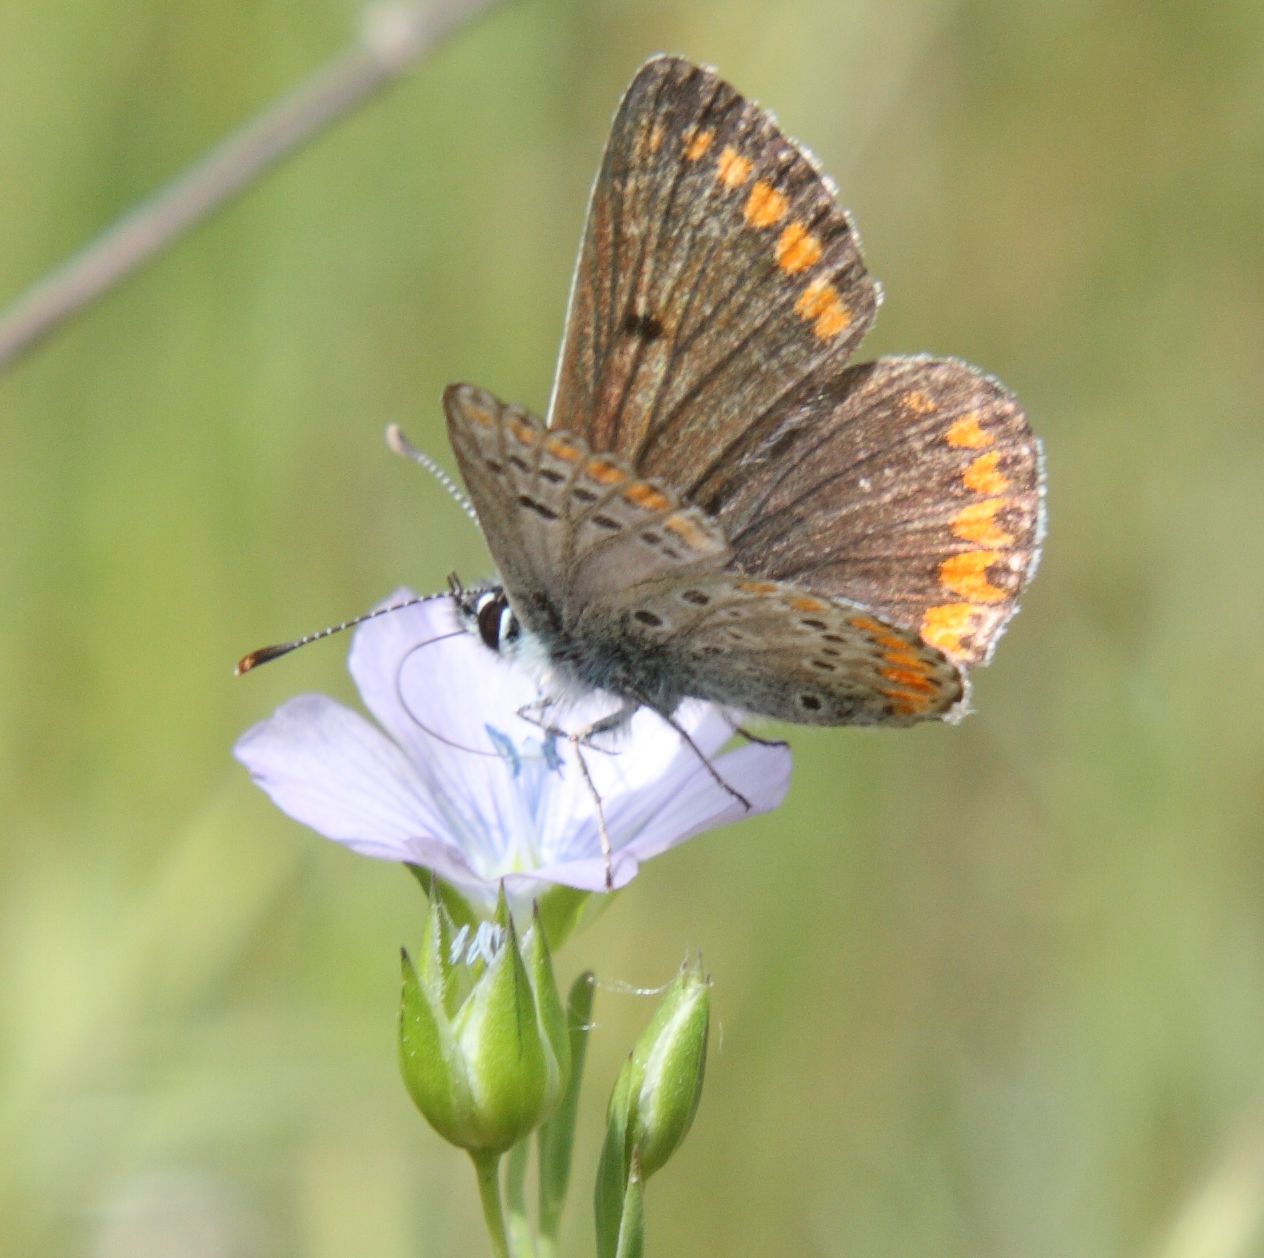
{"points": [[397, 442], [265, 653]]}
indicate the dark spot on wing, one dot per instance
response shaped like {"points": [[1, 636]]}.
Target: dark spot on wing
{"points": [[645, 326]]}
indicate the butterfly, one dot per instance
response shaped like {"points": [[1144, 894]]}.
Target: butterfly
{"points": [[719, 505]]}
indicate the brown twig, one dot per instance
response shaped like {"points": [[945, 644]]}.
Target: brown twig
{"points": [[394, 37]]}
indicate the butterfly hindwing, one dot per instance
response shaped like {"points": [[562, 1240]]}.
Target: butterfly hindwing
{"points": [[717, 274], [774, 649], [910, 485]]}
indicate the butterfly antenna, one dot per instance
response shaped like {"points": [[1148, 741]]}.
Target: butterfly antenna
{"points": [[400, 444], [267, 653]]}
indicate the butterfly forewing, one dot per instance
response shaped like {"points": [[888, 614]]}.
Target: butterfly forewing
{"points": [[567, 527], [910, 485], [716, 275], [496, 448]]}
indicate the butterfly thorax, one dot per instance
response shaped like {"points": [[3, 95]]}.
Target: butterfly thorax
{"points": [[570, 662]]}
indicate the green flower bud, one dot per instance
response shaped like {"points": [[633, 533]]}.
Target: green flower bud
{"points": [[482, 1032], [653, 1104], [550, 1010], [666, 1069]]}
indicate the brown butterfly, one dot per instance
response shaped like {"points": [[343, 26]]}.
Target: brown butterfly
{"points": [[719, 506]]}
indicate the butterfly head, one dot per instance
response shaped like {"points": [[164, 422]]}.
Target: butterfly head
{"points": [[485, 612]]}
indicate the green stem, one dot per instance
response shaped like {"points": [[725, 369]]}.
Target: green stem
{"points": [[557, 1136], [516, 1200], [487, 1169]]}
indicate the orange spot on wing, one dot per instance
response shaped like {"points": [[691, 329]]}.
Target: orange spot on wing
{"points": [[880, 633], [697, 144], [898, 654], [919, 402], [944, 626], [688, 530], [797, 249], [562, 449], [604, 473], [968, 434], [480, 415], [656, 137], [966, 574], [802, 603], [758, 587], [820, 304], [866, 624], [983, 476], [909, 680], [642, 495], [733, 169], [765, 205], [907, 704], [526, 433], [905, 658], [976, 522]]}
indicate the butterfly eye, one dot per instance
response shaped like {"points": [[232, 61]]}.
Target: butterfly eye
{"points": [[510, 627], [487, 616], [497, 624]]}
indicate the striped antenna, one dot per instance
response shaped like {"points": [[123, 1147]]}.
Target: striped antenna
{"points": [[267, 653], [400, 444], [406, 450]]}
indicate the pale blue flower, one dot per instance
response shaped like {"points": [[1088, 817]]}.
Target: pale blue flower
{"points": [[453, 779]]}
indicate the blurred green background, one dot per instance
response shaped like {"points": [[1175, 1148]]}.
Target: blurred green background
{"points": [[994, 990]]}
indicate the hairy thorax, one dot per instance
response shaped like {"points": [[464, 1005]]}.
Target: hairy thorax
{"points": [[570, 661]]}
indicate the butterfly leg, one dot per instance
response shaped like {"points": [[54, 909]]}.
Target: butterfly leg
{"points": [[579, 740], [583, 738], [603, 832], [687, 738], [528, 712], [532, 714], [620, 717]]}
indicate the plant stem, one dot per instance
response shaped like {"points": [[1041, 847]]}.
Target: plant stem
{"points": [[487, 1169], [557, 1136], [516, 1199], [395, 35]]}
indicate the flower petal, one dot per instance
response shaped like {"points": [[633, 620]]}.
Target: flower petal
{"points": [[431, 684], [327, 767], [697, 802]]}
